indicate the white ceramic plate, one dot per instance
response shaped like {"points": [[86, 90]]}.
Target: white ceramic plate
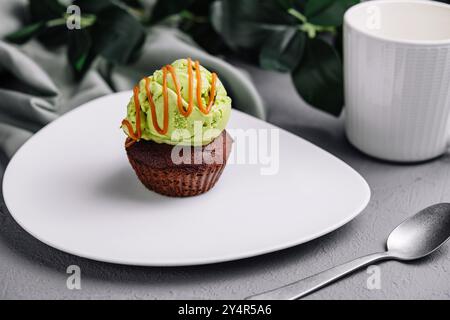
{"points": [[71, 187]]}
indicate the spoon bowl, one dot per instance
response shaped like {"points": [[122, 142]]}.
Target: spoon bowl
{"points": [[421, 234]]}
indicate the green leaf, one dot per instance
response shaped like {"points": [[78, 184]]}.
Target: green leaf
{"points": [[247, 24], [288, 4], [165, 8], [54, 36], [117, 35], [196, 21], [283, 50], [90, 6], [260, 11], [338, 41], [319, 77], [200, 7], [327, 12], [45, 9], [26, 33], [79, 51]]}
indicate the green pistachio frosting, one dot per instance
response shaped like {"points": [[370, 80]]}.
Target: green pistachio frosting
{"points": [[195, 129]]}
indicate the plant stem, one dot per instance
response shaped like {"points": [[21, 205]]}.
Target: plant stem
{"points": [[309, 28], [85, 20], [55, 22], [297, 15], [186, 14]]}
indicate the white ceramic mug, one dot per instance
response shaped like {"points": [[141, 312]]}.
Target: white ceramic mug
{"points": [[397, 78]]}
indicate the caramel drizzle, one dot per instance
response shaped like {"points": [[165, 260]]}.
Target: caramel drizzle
{"points": [[199, 90], [135, 136]]}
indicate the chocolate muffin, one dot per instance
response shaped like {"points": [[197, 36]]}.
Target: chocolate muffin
{"points": [[175, 123], [155, 168]]}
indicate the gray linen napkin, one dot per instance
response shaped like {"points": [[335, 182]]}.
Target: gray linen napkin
{"points": [[36, 85]]}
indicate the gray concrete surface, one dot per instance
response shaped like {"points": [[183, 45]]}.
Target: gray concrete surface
{"points": [[31, 270]]}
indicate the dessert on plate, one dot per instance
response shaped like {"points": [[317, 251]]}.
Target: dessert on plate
{"points": [[175, 126]]}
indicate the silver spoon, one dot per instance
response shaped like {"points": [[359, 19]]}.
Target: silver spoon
{"points": [[414, 238]]}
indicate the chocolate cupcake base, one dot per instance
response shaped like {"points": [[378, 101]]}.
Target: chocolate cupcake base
{"points": [[182, 172]]}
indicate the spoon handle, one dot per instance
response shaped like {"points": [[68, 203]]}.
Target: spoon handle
{"points": [[305, 286]]}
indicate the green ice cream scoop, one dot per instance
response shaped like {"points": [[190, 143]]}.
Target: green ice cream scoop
{"points": [[195, 126]]}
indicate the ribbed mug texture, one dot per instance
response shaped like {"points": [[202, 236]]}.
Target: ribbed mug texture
{"points": [[397, 97]]}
